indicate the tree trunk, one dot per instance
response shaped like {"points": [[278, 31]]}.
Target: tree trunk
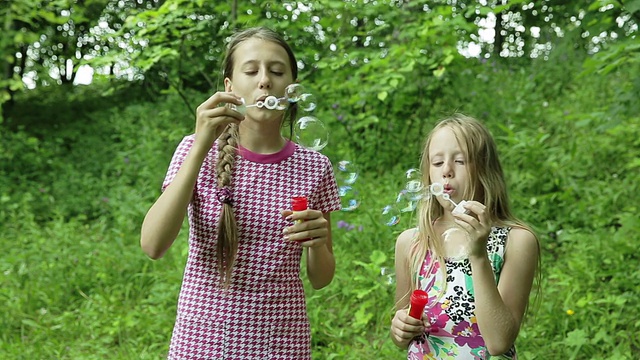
{"points": [[499, 39], [234, 13]]}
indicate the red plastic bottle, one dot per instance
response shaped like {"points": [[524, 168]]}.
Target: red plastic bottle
{"points": [[419, 299], [299, 203]]}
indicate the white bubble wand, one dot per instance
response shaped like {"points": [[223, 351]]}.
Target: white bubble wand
{"points": [[437, 189]]}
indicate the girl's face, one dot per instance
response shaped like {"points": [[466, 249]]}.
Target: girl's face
{"points": [[261, 68], [448, 166]]}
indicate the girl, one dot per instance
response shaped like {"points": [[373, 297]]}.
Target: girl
{"points": [[477, 266], [242, 296]]}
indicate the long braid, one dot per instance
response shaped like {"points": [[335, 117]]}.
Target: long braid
{"points": [[227, 247], [227, 227]]}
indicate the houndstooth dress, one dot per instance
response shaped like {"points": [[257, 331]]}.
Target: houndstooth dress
{"points": [[263, 313]]}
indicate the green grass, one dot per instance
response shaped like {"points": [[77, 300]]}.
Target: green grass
{"points": [[73, 193]]}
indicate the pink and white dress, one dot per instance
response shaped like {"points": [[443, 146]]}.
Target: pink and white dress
{"points": [[263, 313]]}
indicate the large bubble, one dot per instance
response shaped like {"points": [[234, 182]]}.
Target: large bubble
{"points": [[311, 133]]}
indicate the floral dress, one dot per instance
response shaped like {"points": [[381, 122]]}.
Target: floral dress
{"points": [[454, 330]]}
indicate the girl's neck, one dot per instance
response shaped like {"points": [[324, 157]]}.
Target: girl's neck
{"points": [[445, 218], [261, 138]]}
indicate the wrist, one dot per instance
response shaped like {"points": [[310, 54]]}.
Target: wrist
{"points": [[479, 259]]}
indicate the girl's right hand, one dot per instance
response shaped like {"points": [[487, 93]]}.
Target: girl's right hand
{"points": [[405, 328], [212, 118]]}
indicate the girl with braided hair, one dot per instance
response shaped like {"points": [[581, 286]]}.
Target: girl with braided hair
{"points": [[242, 296]]}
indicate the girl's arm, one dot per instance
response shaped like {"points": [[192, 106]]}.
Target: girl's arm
{"points": [[321, 265], [500, 308], [314, 233], [403, 327], [164, 219]]}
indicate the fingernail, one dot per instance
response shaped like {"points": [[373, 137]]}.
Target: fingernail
{"points": [[289, 218], [286, 237]]}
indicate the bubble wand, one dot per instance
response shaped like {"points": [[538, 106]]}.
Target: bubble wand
{"points": [[437, 189]]}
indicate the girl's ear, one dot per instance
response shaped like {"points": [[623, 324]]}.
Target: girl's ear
{"points": [[227, 85]]}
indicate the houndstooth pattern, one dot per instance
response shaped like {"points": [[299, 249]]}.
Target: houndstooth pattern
{"points": [[263, 313]]}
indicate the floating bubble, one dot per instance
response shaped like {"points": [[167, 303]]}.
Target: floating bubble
{"points": [[349, 198], [307, 102], [282, 103], [390, 215], [414, 180], [311, 133], [294, 92], [405, 201], [388, 275], [346, 172], [242, 108]]}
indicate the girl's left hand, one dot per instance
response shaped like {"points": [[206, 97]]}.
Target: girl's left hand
{"points": [[312, 231], [477, 224]]}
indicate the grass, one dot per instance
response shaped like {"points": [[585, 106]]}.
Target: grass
{"points": [[76, 285]]}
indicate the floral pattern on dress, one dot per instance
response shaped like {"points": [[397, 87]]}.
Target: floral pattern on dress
{"points": [[454, 332]]}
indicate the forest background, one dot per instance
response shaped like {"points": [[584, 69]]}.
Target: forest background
{"points": [[96, 94]]}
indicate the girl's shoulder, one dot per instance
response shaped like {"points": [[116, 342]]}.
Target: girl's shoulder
{"points": [[310, 153], [406, 237], [522, 238]]}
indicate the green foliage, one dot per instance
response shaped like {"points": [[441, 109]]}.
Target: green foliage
{"points": [[79, 167], [74, 193]]}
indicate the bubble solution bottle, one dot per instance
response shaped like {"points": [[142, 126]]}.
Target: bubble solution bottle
{"points": [[299, 203], [419, 299]]}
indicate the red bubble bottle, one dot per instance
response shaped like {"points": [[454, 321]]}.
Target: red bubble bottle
{"points": [[419, 299], [299, 203]]}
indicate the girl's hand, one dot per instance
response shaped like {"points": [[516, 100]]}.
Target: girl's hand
{"points": [[477, 224], [404, 328], [311, 232], [212, 117]]}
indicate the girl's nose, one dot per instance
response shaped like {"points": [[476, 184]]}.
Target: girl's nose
{"points": [[265, 82], [447, 171]]}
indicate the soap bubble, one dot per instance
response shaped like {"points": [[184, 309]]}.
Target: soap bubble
{"points": [[346, 172], [349, 198], [294, 92], [405, 201], [387, 275], [307, 102], [311, 133], [414, 180], [390, 215], [283, 103], [242, 108]]}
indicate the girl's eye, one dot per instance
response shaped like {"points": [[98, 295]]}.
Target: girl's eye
{"points": [[437, 163], [278, 73], [251, 72], [461, 162]]}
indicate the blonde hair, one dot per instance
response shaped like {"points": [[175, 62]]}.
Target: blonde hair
{"points": [[487, 185], [227, 247]]}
